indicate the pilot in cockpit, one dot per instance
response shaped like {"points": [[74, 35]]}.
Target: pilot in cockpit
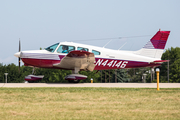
{"points": [[65, 49]]}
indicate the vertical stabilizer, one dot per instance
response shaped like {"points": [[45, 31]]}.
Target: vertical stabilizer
{"points": [[155, 47]]}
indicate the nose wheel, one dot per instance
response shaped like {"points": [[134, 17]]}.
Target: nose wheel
{"points": [[32, 78]]}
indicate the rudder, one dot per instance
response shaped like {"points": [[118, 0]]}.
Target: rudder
{"points": [[155, 47]]}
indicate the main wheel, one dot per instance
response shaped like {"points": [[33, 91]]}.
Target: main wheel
{"points": [[31, 81], [76, 81], [70, 81], [73, 81]]}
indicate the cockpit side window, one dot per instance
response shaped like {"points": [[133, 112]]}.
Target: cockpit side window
{"points": [[52, 48], [96, 52], [65, 49], [83, 49]]}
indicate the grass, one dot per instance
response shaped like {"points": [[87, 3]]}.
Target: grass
{"points": [[89, 103]]}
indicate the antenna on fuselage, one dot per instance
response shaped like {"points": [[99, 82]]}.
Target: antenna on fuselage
{"points": [[122, 46], [107, 43]]}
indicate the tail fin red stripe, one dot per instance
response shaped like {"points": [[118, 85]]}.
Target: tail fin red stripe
{"points": [[159, 44], [158, 41], [161, 35]]}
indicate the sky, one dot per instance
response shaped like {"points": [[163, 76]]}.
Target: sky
{"points": [[41, 23]]}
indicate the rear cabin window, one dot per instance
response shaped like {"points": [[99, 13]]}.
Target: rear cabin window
{"points": [[96, 52], [65, 49], [83, 49]]}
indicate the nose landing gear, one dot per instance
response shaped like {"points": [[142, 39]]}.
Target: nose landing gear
{"points": [[31, 78]]}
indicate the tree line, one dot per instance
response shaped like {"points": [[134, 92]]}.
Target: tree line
{"points": [[104, 76]]}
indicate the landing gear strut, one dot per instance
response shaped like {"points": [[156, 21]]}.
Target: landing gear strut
{"points": [[75, 77], [33, 71], [31, 78]]}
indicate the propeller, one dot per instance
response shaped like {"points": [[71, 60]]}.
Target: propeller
{"points": [[19, 57]]}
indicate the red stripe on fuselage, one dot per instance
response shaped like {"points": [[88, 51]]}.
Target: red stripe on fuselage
{"points": [[105, 64], [101, 63], [44, 63]]}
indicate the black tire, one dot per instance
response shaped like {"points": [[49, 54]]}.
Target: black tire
{"points": [[73, 81], [76, 81], [30, 81], [33, 81], [70, 81]]}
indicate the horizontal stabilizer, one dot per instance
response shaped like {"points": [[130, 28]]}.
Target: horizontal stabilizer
{"points": [[160, 61]]}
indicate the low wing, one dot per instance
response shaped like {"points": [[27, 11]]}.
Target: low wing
{"points": [[78, 59]]}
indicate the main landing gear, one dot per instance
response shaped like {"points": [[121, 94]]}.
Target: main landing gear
{"points": [[75, 77], [72, 78]]}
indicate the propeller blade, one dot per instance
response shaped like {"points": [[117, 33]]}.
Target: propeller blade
{"points": [[19, 45], [19, 61]]}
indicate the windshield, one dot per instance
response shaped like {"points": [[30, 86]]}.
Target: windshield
{"points": [[52, 48]]}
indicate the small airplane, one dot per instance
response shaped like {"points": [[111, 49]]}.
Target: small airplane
{"points": [[77, 57]]}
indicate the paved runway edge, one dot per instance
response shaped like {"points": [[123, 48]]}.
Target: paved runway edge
{"points": [[109, 85]]}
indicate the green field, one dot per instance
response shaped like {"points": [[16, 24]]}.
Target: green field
{"points": [[89, 103]]}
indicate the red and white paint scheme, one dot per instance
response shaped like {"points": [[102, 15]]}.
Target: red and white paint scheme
{"points": [[33, 77], [75, 77], [61, 56]]}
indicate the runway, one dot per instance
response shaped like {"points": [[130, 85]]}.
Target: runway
{"points": [[108, 85]]}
